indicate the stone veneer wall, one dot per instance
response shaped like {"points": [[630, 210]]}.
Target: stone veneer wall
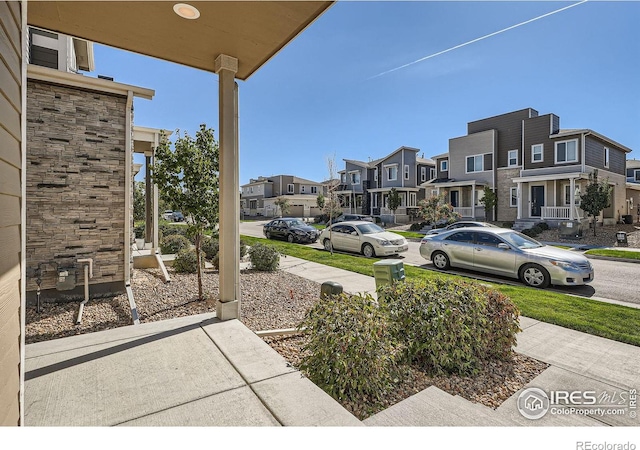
{"points": [[75, 182], [504, 183]]}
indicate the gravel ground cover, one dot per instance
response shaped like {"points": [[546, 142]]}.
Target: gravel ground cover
{"points": [[605, 236], [270, 301]]}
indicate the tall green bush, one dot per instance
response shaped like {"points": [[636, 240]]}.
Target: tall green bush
{"points": [[349, 350], [264, 257], [186, 261], [173, 244]]}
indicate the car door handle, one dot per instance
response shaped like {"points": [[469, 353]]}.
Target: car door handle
{"points": [[478, 249]]}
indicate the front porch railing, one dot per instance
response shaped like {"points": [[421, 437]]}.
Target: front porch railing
{"points": [[464, 211], [555, 212]]}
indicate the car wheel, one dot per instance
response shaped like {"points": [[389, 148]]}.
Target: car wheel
{"points": [[327, 245], [440, 260], [291, 238], [368, 251], [535, 276], [268, 235]]}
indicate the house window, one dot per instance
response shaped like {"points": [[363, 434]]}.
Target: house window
{"points": [[413, 199], [567, 151], [251, 189], [354, 177], [432, 173], [513, 158], [406, 172], [567, 194], [253, 204], [513, 200], [374, 201], [444, 165], [302, 189], [536, 153], [289, 188], [343, 178], [636, 175], [606, 156], [475, 163], [375, 174], [423, 174], [314, 189], [392, 172]]}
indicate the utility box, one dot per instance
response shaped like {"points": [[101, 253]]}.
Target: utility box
{"points": [[573, 229], [387, 271], [621, 238], [329, 288], [66, 279]]}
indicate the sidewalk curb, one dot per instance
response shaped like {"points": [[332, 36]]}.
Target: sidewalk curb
{"points": [[610, 258]]}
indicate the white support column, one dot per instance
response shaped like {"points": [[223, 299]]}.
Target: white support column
{"points": [[473, 201], [519, 196], [156, 200], [228, 306], [572, 197]]}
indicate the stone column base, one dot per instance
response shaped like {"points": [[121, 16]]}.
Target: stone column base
{"points": [[227, 310]]}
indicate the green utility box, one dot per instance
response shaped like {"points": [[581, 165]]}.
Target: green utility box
{"points": [[387, 271], [329, 288]]}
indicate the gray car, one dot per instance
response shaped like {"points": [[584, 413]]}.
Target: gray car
{"points": [[505, 252], [456, 225]]}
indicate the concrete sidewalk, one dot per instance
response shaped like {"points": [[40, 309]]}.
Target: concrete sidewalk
{"points": [[578, 361]]}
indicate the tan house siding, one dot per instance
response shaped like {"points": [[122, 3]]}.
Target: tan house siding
{"points": [[504, 183], [10, 210], [75, 183]]}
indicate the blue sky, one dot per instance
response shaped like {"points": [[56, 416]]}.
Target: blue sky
{"points": [[321, 96]]}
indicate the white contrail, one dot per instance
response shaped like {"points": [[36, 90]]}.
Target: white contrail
{"points": [[479, 39]]}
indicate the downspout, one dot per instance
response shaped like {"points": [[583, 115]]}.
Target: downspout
{"points": [[88, 273], [128, 141]]}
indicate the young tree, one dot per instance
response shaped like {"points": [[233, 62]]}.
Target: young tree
{"points": [[283, 204], [394, 202], [332, 205], [597, 196], [489, 200], [434, 209], [187, 178], [320, 201], [138, 201]]}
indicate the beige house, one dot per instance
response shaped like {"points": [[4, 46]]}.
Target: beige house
{"points": [[218, 41]]}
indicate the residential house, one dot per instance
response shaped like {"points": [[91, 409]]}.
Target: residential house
{"points": [[365, 186], [633, 189], [259, 195], [537, 169], [79, 172]]}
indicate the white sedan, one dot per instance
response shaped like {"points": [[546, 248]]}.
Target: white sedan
{"points": [[362, 237]]}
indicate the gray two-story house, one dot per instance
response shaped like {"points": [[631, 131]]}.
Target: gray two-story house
{"points": [[633, 189], [259, 195], [365, 186], [537, 169]]}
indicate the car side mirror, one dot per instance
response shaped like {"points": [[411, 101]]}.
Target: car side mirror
{"points": [[503, 246]]}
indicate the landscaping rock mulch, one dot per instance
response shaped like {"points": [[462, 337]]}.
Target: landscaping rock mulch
{"points": [[269, 301], [605, 236]]}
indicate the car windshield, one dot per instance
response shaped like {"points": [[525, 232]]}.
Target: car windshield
{"points": [[295, 223], [369, 228], [520, 240]]}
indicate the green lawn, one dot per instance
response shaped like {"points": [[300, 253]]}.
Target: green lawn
{"points": [[611, 321], [409, 234], [628, 254]]}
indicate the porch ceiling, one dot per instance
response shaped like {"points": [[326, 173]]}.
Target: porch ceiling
{"points": [[448, 184], [550, 177], [251, 31]]}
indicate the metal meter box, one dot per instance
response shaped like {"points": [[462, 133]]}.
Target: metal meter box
{"points": [[66, 279], [573, 229], [387, 271], [329, 288]]}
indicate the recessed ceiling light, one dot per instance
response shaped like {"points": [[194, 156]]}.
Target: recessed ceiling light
{"points": [[186, 11]]}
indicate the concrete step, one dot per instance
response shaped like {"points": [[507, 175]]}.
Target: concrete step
{"points": [[434, 407]]}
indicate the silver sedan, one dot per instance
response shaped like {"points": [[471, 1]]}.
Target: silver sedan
{"points": [[505, 252]]}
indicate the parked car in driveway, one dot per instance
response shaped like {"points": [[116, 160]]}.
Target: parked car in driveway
{"points": [[505, 252], [293, 230], [178, 216], [362, 237], [168, 215], [351, 217], [456, 225]]}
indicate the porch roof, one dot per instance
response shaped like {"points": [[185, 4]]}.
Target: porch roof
{"points": [[453, 183], [551, 177], [252, 32]]}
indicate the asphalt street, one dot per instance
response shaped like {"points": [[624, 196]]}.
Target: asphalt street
{"points": [[614, 280]]}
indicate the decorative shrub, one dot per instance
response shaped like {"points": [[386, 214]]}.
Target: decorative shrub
{"points": [[210, 247], [321, 218], [418, 226], [502, 326], [536, 229], [544, 226], [139, 231], [445, 325], [215, 261], [264, 257], [186, 261], [243, 248], [507, 224], [173, 244], [349, 350]]}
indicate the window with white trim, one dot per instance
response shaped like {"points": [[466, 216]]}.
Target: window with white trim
{"points": [[512, 158], [413, 199], [290, 188], [475, 163], [314, 189], [537, 153], [567, 194], [444, 165], [432, 173], [636, 175], [567, 151], [406, 171], [374, 202], [343, 177], [354, 177], [478, 195], [606, 156], [423, 174], [392, 172], [375, 174], [513, 197]]}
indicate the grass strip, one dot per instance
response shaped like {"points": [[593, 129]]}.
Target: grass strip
{"points": [[626, 254], [620, 323]]}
